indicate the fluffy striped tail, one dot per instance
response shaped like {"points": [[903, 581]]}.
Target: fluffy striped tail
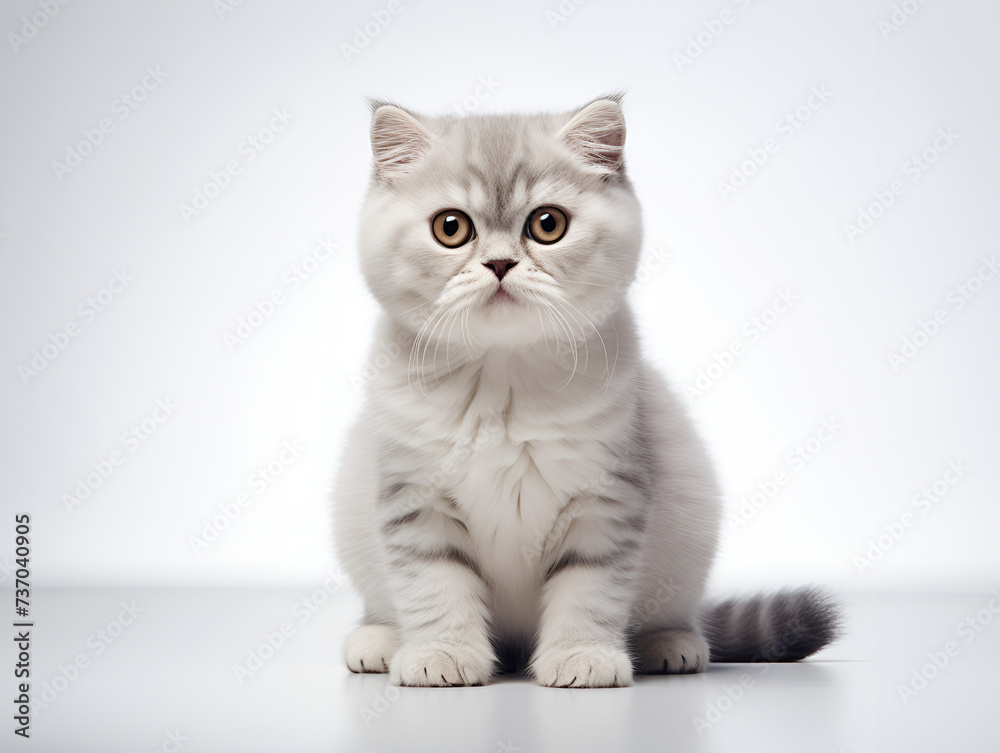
{"points": [[784, 626]]}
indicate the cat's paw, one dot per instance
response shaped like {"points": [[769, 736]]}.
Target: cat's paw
{"points": [[441, 664], [582, 665], [370, 648], [673, 652]]}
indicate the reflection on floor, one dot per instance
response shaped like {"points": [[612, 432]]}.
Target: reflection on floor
{"points": [[247, 670]]}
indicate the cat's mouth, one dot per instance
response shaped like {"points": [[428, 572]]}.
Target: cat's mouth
{"points": [[501, 296]]}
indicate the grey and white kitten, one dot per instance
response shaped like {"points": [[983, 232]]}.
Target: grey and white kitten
{"points": [[522, 489]]}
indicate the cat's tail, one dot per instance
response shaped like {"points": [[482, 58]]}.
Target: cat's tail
{"points": [[783, 626]]}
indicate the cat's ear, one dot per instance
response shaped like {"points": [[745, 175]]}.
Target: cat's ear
{"points": [[398, 141], [597, 134]]}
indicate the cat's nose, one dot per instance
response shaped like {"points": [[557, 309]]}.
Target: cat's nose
{"points": [[500, 267]]}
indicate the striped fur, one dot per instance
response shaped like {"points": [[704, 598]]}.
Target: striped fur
{"points": [[780, 627], [521, 488]]}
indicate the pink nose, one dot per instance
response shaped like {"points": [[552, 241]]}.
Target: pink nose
{"points": [[500, 267]]}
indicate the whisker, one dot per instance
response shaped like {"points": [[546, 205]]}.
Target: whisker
{"points": [[419, 305], [561, 280], [594, 327], [586, 340], [541, 332], [555, 331], [571, 342], [423, 356], [465, 331], [609, 369], [412, 370], [447, 350]]}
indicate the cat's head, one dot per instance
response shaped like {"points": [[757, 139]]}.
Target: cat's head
{"points": [[519, 227]]}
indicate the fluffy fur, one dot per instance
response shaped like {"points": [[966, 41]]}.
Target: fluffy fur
{"points": [[521, 488]]}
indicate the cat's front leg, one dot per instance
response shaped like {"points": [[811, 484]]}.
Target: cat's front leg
{"points": [[586, 602], [440, 595]]}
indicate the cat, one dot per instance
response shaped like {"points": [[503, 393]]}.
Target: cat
{"points": [[522, 490]]}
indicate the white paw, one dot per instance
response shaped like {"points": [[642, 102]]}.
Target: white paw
{"points": [[440, 664], [673, 652], [370, 648], [582, 665]]}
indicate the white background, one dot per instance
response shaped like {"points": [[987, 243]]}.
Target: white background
{"points": [[690, 126]]}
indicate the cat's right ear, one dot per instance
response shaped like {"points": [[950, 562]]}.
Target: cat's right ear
{"points": [[398, 141], [596, 133]]}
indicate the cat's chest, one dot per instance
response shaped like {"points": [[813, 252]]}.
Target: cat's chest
{"points": [[510, 458], [508, 442], [513, 479], [516, 454]]}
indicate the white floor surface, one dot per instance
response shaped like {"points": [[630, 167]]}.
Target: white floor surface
{"points": [[165, 678]]}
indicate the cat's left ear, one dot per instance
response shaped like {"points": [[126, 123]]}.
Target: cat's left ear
{"points": [[398, 141], [597, 134]]}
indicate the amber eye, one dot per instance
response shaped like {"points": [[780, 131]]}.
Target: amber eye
{"points": [[546, 225], [452, 228]]}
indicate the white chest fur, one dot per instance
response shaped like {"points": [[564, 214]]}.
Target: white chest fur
{"points": [[511, 456]]}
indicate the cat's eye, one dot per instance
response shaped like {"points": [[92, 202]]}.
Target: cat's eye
{"points": [[452, 228], [546, 225]]}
